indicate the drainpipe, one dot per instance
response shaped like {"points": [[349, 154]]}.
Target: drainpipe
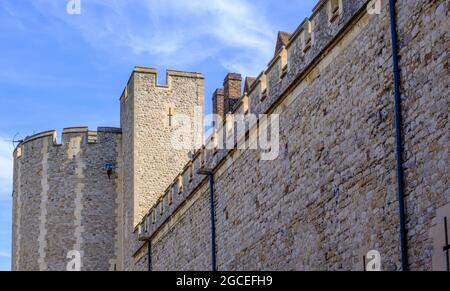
{"points": [[399, 141], [210, 174]]}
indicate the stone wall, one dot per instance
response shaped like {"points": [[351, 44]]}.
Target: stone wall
{"points": [[328, 198], [424, 62], [149, 121], [64, 200], [331, 195], [189, 256]]}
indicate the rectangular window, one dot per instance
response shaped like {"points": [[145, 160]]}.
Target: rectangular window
{"points": [[191, 173], [264, 95], [180, 185], [153, 216], [146, 225], [284, 71], [170, 197], [161, 207]]}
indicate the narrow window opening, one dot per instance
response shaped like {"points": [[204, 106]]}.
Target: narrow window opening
{"points": [[170, 197], [180, 185], [191, 173], [170, 116], [161, 207], [153, 217]]}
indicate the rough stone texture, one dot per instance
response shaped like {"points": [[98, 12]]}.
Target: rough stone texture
{"points": [[67, 201], [195, 225], [150, 159], [329, 197], [424, 51], [129, 200]]}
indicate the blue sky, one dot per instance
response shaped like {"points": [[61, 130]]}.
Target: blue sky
{"points": [[59, 70]]}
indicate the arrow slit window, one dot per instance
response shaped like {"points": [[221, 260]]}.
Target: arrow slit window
{"points": [[170, 115]]}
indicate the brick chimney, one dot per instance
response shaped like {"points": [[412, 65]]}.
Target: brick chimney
{"points": [[218, 103], [232, 91]]}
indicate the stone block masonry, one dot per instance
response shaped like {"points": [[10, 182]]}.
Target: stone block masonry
{"points": [[148, 111], [64, 200], [328, 198]]}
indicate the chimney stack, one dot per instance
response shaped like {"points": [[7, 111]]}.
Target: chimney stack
{"points": [[232, 91], [218, 104]]}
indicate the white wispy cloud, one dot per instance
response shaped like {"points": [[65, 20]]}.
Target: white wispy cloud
{"points": [[175, 32], [6, 167], [5, 255]]}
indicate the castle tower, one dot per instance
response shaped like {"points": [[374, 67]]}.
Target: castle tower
{"points": [[149, 120], [65, 199]]}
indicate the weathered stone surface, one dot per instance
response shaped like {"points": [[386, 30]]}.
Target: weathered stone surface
{"points": [[329, 197], [64, 201], [151, 163]]}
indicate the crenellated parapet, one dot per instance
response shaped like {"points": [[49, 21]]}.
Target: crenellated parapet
{"points": [[291, 63], [302, 160], [87, 139], [297, 52], [65, 196], [174, 79], [150, 113], [307, 44]]}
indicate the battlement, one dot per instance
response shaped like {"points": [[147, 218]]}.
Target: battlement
{"points": [[147, 117], [313, 165], [300, 50], [208, 157], [171, 77], [182, 187], [67, 183], [306, 46], [87, 138]]}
